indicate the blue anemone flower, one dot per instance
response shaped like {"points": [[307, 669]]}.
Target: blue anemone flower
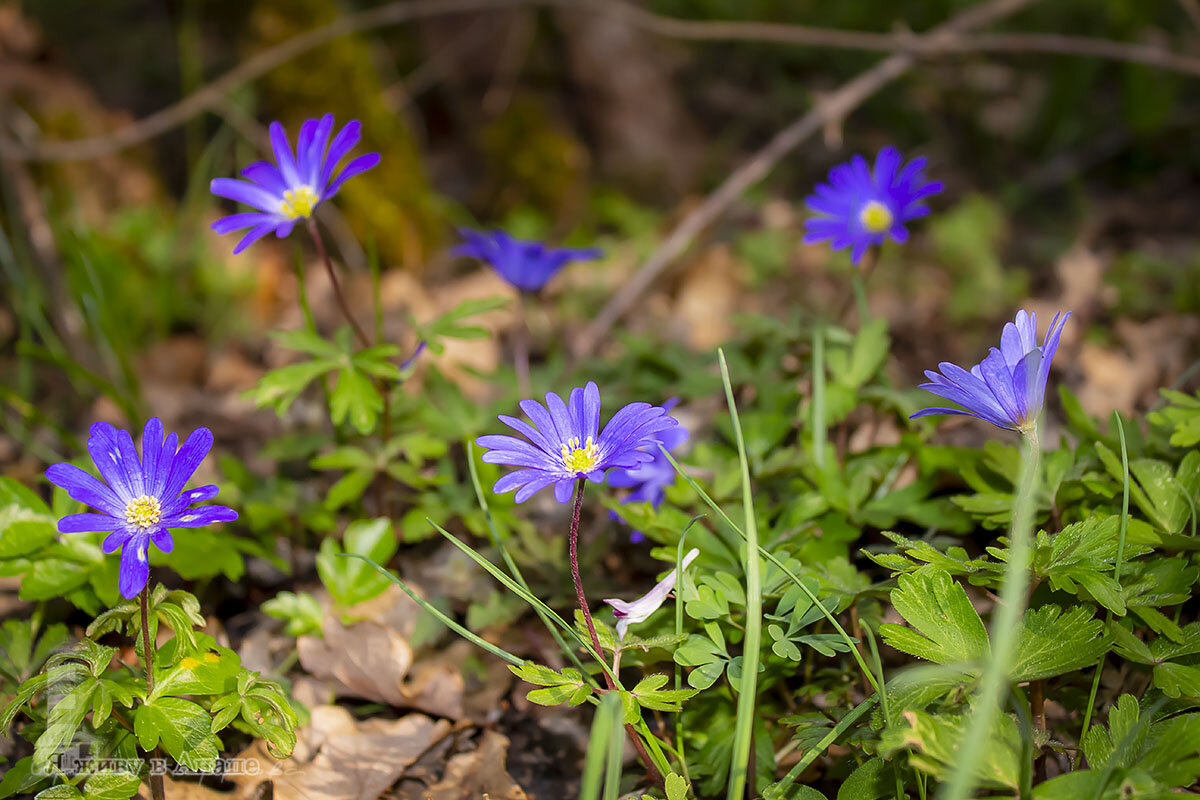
{"points": [[859, 207], [565, 442], [1008, 387], [524, 264], [144, 498], [292, 187], [650, 479]]}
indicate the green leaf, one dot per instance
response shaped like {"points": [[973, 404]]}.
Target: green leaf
{"points": [[709, 660], [181, 727], [870, 781], [565, 687], [935, 739], [63, 720], [677, 787], [63, 791], [1053, 642], [20, 778], [355, 397], [351, 580], [855, 367], [206, 672], [649, 694], [111, 785], [448, 326], [279, 388], [300, 610], [348, 488], [1178, 680], [948, 629], [306, 341], [1121, 741]]}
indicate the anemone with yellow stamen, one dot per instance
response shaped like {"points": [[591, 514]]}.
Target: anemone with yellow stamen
{"points": [[143, 499], [859, 206], [565, 442], [292, 187]]}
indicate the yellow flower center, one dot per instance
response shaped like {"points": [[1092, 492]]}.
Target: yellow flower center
{"points": [[144, 512], [580, 459], [875, 217], [298, 202]]}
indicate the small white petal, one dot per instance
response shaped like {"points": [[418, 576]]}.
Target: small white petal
{"points": [[641, 609]]}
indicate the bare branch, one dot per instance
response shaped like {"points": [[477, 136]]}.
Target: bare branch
{"points": [[833, 107], [209, 97]]}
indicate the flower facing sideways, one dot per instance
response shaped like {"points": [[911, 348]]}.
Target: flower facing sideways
{"points": [[650, 479], [525, 265], [292, 187], [860, 206], [1008, 387], [143, 499], [565, 442], [639, 610]]}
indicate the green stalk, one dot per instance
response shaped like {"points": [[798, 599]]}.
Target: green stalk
{"points": [[811, 754], [605, 721], [1005, 626], [1087, 715], [818, 397], [851, 642], [741, 768]]}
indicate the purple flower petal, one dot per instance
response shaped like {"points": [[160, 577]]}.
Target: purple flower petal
{"points": [[86, 523], [135, 569], [86, 489], [199, 517]]}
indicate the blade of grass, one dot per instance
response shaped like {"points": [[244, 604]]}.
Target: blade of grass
{"points": [[616, 749], [877, 662], [1005, 624], [525, 595], [679, 731], [513, 569], [741, 767], [811, 755], [438, 613], [818, 397], [850, 641], [1087, 714], [604, 722]]}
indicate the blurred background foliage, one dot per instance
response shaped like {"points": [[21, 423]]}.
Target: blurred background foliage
{"points": [[572, 124]]}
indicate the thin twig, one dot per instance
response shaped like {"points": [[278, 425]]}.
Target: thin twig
{"points": [[949, 40], [833, 107]]}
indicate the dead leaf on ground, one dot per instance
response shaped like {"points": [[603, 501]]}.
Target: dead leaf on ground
{"points": [[708, 295], [372, 659], [477, 774], [339, 758]]}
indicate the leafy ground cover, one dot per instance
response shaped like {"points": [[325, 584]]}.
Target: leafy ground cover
{"points": [[366, 510]]}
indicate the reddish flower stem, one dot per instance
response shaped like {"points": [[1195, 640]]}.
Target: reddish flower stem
{"points": [[384, 388], [157, 792], [651, 770]]}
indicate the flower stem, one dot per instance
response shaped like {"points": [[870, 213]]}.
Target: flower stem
{"points": [[384, 387], [652, 770], [315, 233], [156, 782], [521, 347], [579, 595]]}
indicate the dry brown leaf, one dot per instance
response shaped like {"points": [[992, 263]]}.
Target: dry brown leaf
{"points": [[339, 758], [481, 773], [707, 296], [372, 659]]}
